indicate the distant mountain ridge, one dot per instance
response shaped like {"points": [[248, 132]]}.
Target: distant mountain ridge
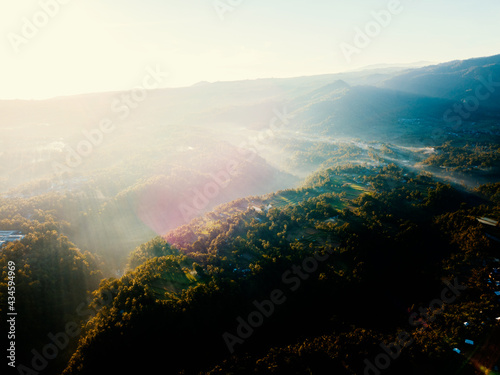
{"points": [[396, 105], [455, 80]]}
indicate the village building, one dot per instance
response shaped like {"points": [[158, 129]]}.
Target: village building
{"points": [[10, 236]]}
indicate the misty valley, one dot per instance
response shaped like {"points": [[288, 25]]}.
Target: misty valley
{"points": [[331, 224]]}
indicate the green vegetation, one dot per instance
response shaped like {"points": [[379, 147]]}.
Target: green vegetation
{"points": [[387, 253], [172, 247], [390, 234], [486, 158], [52, 282]]}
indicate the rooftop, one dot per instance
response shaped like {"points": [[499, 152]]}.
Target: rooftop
{"points": [[10, 236]]}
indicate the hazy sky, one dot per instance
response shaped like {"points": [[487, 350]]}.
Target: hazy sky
{"points": [[50, 49]]}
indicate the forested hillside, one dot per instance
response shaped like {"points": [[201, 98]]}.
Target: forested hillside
{"points": [[314, 285], [333, 224], [52, 281]]}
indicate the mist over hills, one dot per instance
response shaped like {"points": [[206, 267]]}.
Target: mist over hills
{"points": [[113, 145], [178, 212], [342, 104], [455, 80]]}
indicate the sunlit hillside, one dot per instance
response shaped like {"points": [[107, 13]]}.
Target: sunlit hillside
{"points": [[232, 187]]}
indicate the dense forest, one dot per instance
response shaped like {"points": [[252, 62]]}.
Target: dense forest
{"points": [[360, 236], [261, 284], [265, 289], [52, 282]]}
